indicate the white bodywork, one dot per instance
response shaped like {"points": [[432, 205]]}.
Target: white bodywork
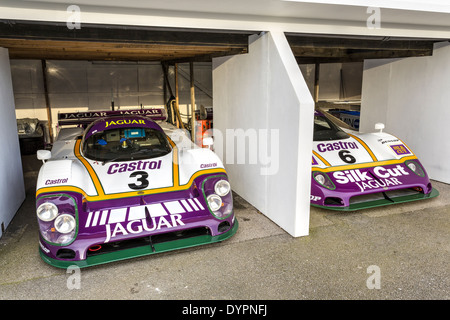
{"points": [[68, 168]]}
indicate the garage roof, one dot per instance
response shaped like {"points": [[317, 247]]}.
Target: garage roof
{"points": [[308, 48], [55, 41]]}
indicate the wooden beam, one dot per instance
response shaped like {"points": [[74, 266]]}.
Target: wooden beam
{"points": [[366, 43], [73, 50], [53, 40], [177, 105], [335, 49], [47, 100], [168, 103], [191, 74], [359, 56], [316, 82], [177, 99], [122, 33]]}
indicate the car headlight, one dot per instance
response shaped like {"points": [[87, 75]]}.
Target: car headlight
{"points": [[65, 223], [218, 196], [324, 180], [222, 187], [57, 217], [320, 178], [412, 166], [416, 168], [47, 211], [214, 202]]}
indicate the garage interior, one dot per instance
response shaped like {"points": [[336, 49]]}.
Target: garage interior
{"points": [[56, 69], [335, 62], [325, 61], [333, 66]]}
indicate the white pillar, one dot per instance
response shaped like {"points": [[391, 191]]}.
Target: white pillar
{"points": [[263, 95], [411, 96], [12, 189]]}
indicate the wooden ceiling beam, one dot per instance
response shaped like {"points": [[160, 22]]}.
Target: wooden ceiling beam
{"points": [[335, 49], [46, 40], [366, 43], [121, 34], [361, 56], [80, 45], [355, 55]]}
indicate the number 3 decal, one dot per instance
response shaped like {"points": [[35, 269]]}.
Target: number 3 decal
{"points": [[142, 179], [346, 156]]}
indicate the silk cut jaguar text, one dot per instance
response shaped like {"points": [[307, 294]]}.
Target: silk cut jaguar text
{"points": [[385, 177]]}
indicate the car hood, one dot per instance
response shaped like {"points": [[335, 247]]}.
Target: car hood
{"points": [[359, 149], [99, 181]]}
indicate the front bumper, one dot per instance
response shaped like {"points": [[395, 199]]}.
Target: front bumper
{"points": [[141, 250], [381, 202]]}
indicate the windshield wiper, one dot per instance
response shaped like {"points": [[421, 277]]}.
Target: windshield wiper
{"points": [[125, 155], [153, 153], [114, 159]]}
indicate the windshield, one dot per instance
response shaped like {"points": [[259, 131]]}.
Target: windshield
{"points": [[325, 130], [121, 144]]}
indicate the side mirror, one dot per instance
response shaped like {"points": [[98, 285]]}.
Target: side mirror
{"points": [[43, 155], [379, 126], [208, 142]]}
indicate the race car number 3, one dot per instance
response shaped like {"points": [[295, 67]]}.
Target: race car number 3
{"points": [[140, 178]]}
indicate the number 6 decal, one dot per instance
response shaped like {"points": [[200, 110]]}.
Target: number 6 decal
{"points": [[142, 179], [346, 156]]}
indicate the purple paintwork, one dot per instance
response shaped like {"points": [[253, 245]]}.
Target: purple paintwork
{"points": [[365, 181], [124, 217], [91, 233], [71, 118], [347, 173]]}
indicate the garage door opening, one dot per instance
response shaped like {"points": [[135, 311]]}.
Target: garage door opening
{"points": [[108, 67], [98, 67], [333, 65]]}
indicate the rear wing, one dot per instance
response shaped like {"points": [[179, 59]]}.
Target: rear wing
{"points": [[86, 117]]}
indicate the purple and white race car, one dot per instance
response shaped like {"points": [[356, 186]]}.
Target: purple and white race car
{"points": [[352, 171], [119, 187]]}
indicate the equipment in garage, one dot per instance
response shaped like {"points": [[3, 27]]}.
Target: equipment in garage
{"points": [[203, 123], [33, 135], [53, 41]]}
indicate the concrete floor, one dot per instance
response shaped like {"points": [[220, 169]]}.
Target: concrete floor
{"points": [[409, 245]]}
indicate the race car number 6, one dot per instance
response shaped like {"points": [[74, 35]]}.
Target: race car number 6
{"points": [[346, 156], [141, 177]]}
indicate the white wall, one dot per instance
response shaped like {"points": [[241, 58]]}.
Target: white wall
{"points": [[265, 90], [411, 96], [12, 189]]}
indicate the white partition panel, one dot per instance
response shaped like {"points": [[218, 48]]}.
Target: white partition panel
{"points": [[263, 111], [411, 96], [12, 189]]}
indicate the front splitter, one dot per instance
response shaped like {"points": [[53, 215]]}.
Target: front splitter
{"points": [[382, 202], [140, 251]]}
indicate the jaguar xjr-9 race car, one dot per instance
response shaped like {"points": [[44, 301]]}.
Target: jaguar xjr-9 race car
{"points": [[352, 171], [119, 187]]}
